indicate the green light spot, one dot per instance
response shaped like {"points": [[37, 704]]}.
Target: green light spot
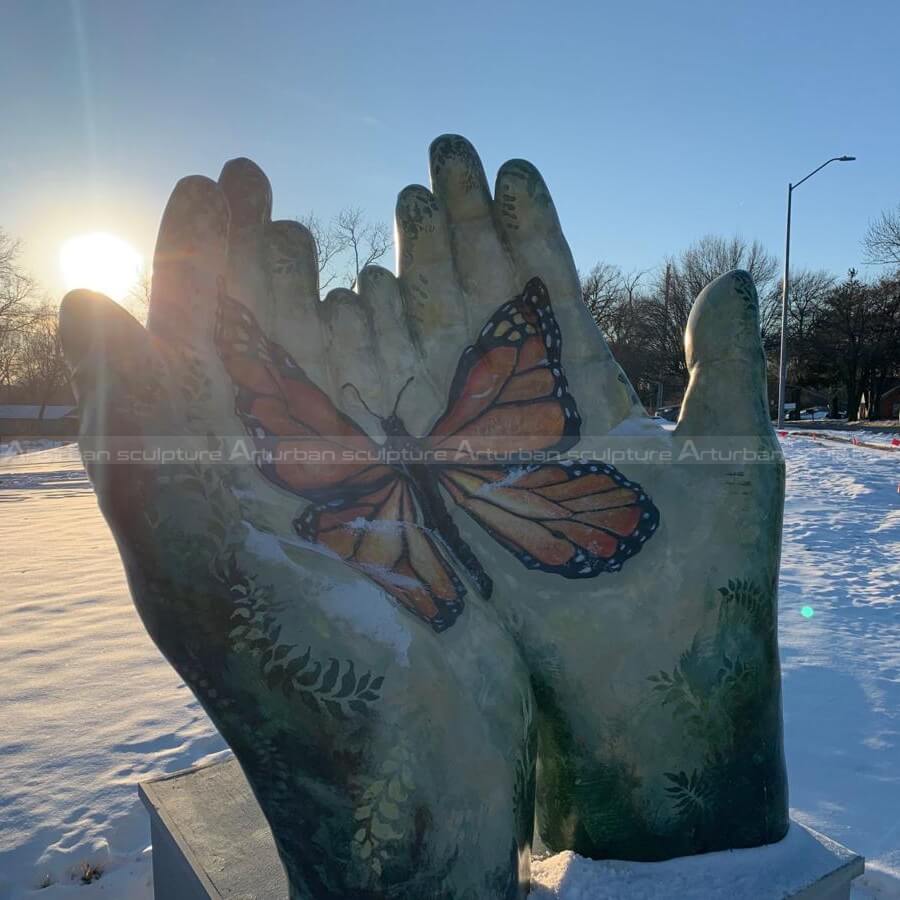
{"points": [[807, 612]]}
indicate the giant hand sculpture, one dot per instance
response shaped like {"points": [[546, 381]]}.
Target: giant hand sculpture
{"points": [[381, 539]]}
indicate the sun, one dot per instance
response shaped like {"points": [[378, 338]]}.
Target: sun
{"points": [[100, 262]]}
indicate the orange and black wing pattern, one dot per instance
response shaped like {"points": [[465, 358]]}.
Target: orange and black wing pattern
{"points": [[305, 443], [509, 398], [509, 394], [362, 512], [381, 534], [573, 518]]}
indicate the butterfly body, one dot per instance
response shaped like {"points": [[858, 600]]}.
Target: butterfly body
{"points": [[383, 508], [422, 477]]}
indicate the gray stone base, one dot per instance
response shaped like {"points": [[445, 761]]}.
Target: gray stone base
{"points": [[210, 841]]}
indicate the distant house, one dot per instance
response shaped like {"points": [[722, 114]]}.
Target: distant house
{"points": [[18, 420]]}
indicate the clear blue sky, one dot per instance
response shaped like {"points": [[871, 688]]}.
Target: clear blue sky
{"points": [[653, 123]]}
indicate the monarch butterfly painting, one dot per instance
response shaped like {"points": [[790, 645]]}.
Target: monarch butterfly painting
{"points": [[386, 514]]}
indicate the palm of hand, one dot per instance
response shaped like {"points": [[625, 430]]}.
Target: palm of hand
{"points": [[322, 654]]}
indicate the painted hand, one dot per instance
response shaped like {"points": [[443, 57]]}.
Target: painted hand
{"points": [[389, 759], [656, 672], [363, 612]]}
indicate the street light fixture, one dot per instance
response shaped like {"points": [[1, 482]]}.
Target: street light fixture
{"points": [[782, 369]]}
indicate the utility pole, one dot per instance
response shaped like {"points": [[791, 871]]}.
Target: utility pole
{"points": [[782, 367]]}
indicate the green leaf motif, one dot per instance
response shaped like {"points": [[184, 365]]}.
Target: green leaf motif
{"points": [[331, 687], [719, 697], [384, 807]]}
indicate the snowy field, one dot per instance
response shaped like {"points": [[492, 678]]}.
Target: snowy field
{"points": [[89, 708]]}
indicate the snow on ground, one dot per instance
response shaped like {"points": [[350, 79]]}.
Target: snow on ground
{"points": [[840, 646], [90, 707]]}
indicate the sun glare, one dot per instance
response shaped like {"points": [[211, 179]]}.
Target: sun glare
{"points": [[100, 262]]}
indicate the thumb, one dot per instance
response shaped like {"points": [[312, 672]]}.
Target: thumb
{"points": [[117, 379], [727, 390], [94, 329]]}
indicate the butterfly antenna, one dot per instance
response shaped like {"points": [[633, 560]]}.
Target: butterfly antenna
{"points": [[359, 397], [409, 381]]}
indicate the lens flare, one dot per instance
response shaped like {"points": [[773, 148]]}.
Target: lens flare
{"points": [[100, 262]]}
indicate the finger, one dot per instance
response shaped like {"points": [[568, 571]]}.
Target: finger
{"points": [[727, 390], [248, 192], [532, 231], [91, 325], [432, 296], [189, 262], [296, 309], [293, 263], [118, 381], [482, 263], [249, 197], [352, 358], [398, 360], [272, 268]]}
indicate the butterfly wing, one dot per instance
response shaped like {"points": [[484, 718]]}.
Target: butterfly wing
{"points": [[381, 534], [509, 393], [509, 396], [305, 443], [572, 519], [363, 512]]}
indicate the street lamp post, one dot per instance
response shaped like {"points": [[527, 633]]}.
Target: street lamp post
{"points": [[782, 369]]}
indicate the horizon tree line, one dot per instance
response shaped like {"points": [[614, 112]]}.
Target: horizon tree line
{"points": [[843, 333]]}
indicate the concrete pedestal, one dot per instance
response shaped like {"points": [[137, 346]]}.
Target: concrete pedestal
{"points": [[210, 842]]}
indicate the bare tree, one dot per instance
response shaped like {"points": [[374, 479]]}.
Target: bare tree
{"points": [[881, 243], [346, 245], [808, 290], [712, 256], [18, 291], [626, 311], [610, 294], [137, 302], [644, 320], [601, 291], [329, 244], [366, 242], [42, 372]]}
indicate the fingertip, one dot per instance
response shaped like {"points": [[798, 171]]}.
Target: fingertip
{"points": [[293, 259], [374, 278], [197, 212], [248, 191], [190, 257], [75, 333], [293, 234], [340, 298], [725, 358], [724, 321], [192, 191], [86, 317], [457, 177], [414, 201], [448, 149], [523, 200], [421, 231], [444, 140]]}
